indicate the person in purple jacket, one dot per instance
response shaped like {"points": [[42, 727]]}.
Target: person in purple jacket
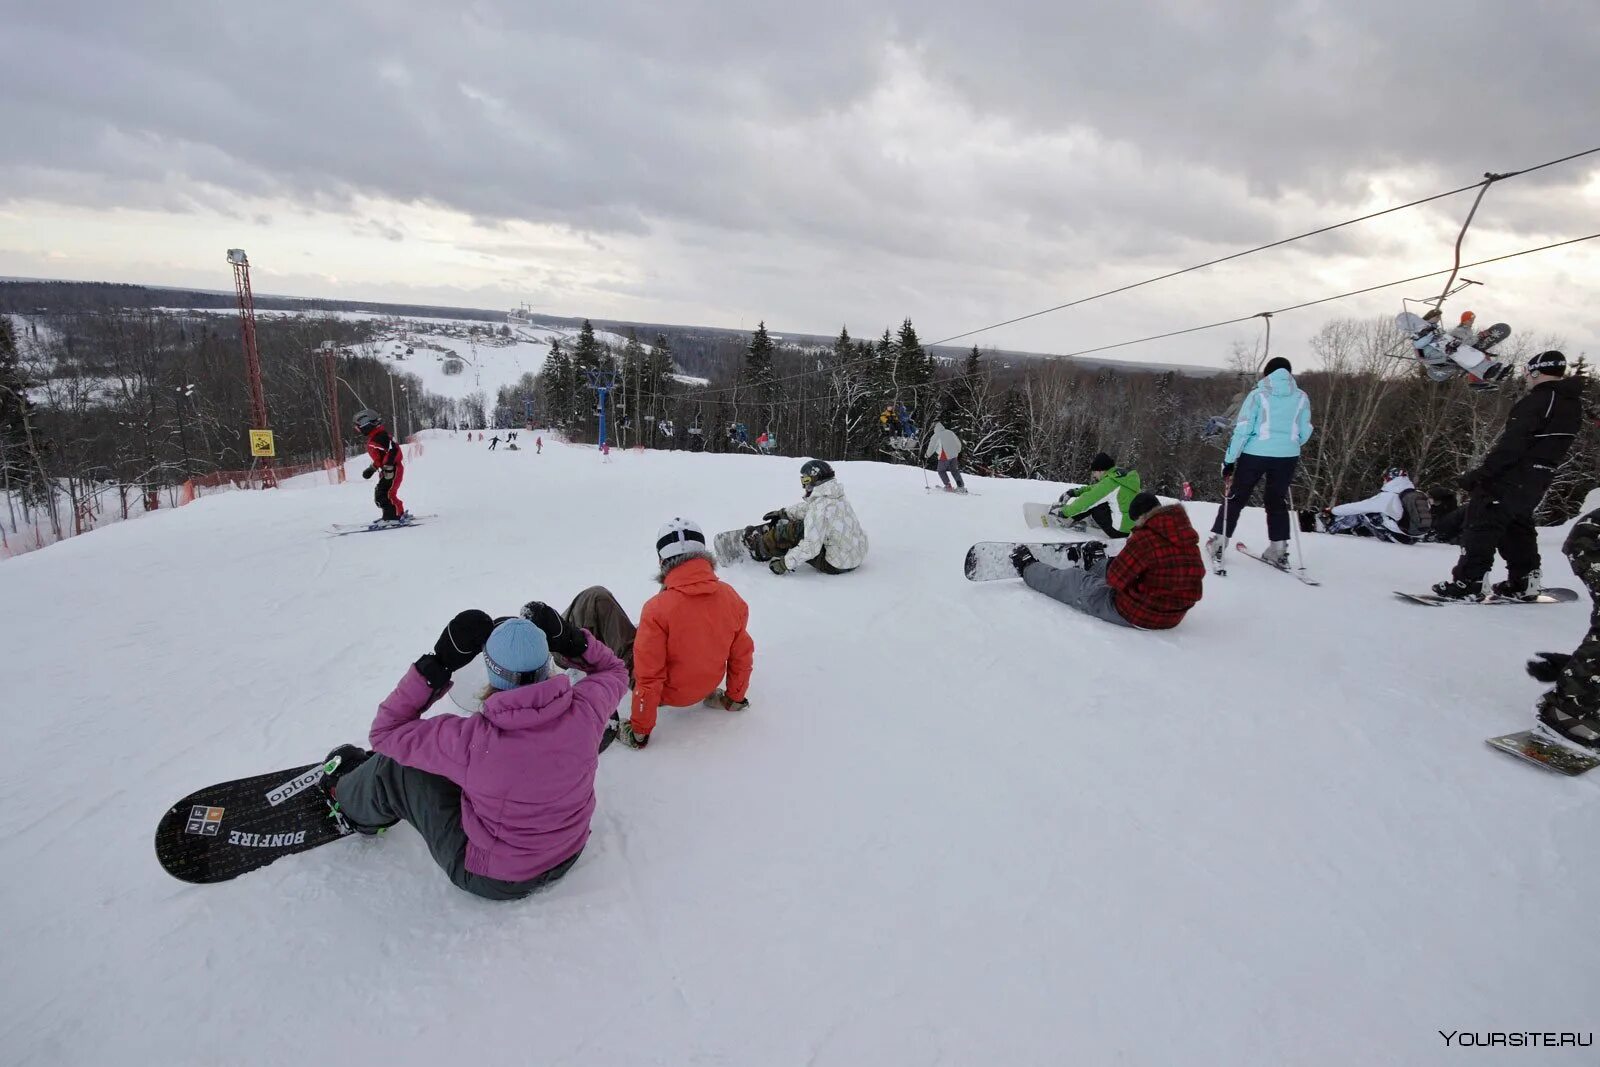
{"points": [[503, 797]]}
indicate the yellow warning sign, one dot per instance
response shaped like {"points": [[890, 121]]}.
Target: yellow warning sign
{"points": [[261, 444]]}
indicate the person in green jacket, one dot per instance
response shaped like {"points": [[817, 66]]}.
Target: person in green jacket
{"points": [[1093, 501]]}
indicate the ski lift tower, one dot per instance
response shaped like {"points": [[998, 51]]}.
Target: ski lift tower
{"points": [[602, 382], [252, 359]]}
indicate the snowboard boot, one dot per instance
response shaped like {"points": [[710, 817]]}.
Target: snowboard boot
{"points": [[1455, 589], [349, 757], [1526, 588], [1215, 544], [1569, 729], [1277, 554]]}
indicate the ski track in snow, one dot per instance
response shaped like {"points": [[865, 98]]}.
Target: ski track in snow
{"points": [[959, 823]]}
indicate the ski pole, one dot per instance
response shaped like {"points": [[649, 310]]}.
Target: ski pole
{"points": [[1227, 538], [1294, 524]]}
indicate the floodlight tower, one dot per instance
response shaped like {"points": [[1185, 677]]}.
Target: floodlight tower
{"points": [[252, 359]]}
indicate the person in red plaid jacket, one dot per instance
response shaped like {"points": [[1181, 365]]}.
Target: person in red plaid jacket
{"points": [[1150, 585]]}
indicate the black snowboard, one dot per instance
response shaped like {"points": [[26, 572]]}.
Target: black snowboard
{"points": [[1551, 595], [231, 828]]}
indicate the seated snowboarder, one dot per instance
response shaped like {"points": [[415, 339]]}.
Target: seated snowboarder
{"points": [[821, 529], [1150, 585], [1572, 708], [1448, 516], [690, 635], [1437, 347], [502, 798], [1395, 513], [1093, 501]]}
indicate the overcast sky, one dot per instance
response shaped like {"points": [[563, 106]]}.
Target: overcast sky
{"points": [[719, 162]]}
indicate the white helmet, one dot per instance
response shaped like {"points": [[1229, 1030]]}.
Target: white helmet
{"points": [[678, 536]]}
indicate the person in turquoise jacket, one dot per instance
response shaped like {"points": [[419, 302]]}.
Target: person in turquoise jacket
{"points": [[1274, 421], [1093, 501]]}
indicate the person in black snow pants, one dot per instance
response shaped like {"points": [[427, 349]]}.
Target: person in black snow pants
{"points": [[1572, 708], [1507, 487], [1273, 422]]}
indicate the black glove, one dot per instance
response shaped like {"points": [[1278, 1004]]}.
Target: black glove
{"points": [[1022, 558], [774, 516], [778, 566], [1227, 470], [369, 472], [388, 471], [458, 645], [1548, 667], [568, 641], [1087, 553]]}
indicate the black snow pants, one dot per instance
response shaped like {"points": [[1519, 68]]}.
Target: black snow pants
{"points": [[381, 791], [1573, 706], [1278, 472], [1500, 518]]}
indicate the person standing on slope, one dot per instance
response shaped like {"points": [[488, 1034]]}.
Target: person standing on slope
{"points": [[538, 445], [1273, 423], [821, 529], [1508, 485], [690, 636], [1572, 708], [385, 459], [1150, 585], [947, 446], [1107, 482], [502, 798]]}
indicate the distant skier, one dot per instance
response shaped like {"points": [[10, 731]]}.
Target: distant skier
{"points": [[493, 441], [944, 444], [1507, 487], [503, 798], [1395, 513], [386, 460], [1107, 482], [538, 445], [1150, 585], [821, 529], [1572, 708], [1273, 422], [691, 636], [1188, 491]]}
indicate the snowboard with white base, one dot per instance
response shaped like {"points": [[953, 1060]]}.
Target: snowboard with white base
{"points": [[989, 561], [1532, 746], [1552, 595], [1044, 517], [729, 547]]}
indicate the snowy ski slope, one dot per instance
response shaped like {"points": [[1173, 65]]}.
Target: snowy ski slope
{"points": [[959, 824]]}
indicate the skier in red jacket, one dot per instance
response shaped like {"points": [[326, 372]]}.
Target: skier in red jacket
{"points": [[387, 462]]}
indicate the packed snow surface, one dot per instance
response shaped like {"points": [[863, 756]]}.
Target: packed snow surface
{"points": [[959, 823]]}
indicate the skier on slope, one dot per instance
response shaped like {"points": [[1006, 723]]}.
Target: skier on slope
{"points": [[690, 636], [502, 798], [1507, 486], [1273, 422], [944, 444], [538, 445], [1395, 513], [1572, 707], [386, 460], [1150, 585], [493, 441], [820, 529], [1093, 501]]}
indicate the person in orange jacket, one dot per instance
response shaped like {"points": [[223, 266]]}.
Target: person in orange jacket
{"points": [[691, 636]]}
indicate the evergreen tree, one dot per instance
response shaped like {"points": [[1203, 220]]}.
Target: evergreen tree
{"points": [[760, 373], [556, 378], [19, 460]]}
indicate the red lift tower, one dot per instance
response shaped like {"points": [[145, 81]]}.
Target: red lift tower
{"points": [[252, 359]]}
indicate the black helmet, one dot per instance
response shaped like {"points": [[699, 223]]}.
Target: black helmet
{"points": [[368, 420], [814, 472]]}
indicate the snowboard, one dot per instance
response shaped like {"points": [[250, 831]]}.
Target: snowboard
{"points": [[341, 529], [231, 828], [1292, 572], [988, 561], [729, 547], [1553, 595], [940, 490], [1531, 748], [1043, 517]]}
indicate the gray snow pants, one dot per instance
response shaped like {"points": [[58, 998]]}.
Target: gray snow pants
{"points": [[948, 467], [1085, 590], [381, 791]]}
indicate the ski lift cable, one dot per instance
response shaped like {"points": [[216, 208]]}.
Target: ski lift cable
{"points": [[1482, 184], [1266, 315]]}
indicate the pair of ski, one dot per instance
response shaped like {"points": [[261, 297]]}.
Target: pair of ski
{"points": [[343, 529]]}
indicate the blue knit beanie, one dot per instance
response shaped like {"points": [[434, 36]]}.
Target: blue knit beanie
{"points": [[516, 654]]}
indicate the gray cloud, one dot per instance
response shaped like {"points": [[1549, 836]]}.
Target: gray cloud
{"points": [[947, 143]]}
